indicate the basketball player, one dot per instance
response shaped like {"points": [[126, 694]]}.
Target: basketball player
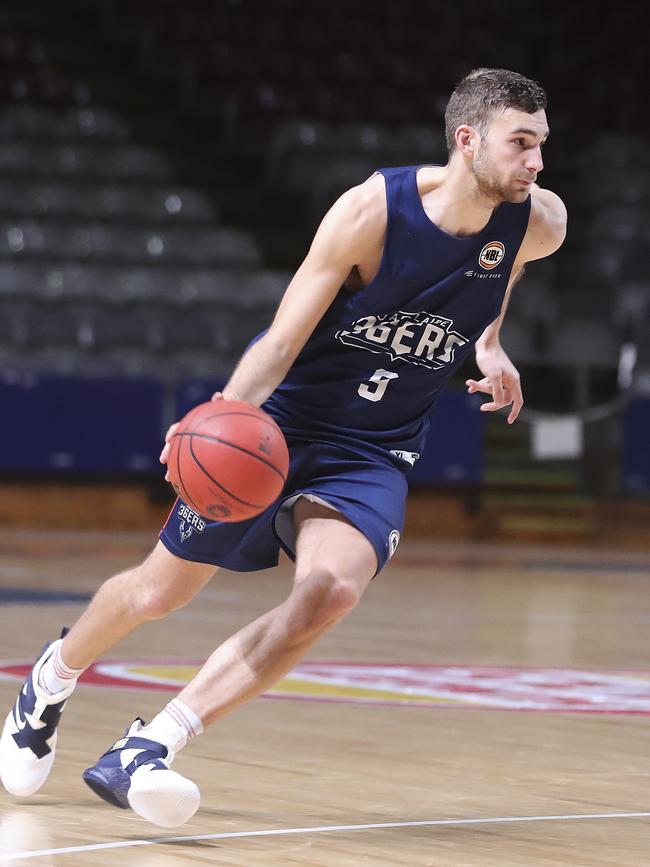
{"points": [[406, 274]]}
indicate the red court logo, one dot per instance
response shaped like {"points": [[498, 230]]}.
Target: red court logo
{"points": [[477, 687], [491, 255]]}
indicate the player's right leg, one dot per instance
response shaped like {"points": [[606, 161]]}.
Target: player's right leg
{"points": [[149, 591]]}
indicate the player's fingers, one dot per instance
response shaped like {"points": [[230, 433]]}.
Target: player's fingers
{"points": [[483, 386], [517, 403], [171, 430], [497, 390], [164, 454], [218, 395]]}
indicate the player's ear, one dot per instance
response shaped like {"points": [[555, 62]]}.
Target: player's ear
{"points": [[467, 139]]}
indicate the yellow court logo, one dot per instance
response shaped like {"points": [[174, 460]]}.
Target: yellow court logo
{"points": [[469, 687]]}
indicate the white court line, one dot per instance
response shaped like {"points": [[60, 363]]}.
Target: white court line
{"points": [[23, 856]]}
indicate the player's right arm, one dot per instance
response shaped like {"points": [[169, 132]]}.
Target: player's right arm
{"points": [[349, 230]]}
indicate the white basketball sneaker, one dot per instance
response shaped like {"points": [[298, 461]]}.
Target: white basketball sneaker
{"points": [[29, 736], [135, 773]]}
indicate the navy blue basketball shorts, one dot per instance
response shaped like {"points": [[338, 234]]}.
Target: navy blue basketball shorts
{"points": [[369, 491]]}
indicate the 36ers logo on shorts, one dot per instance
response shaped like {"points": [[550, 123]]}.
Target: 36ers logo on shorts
{"points": [[491, 255]]}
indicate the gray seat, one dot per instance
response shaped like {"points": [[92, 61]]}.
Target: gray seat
{"points": [[35, 121], [124, 362], [261, 289], [623, 223], [574, 302], [293, 137], [194, 364], [195, 246], [534, 300], [612, 261], [194, 331], [584, 342], [616, 149], [420, 143], [58, 326], [216, 288], [325, 186], [631, 312], [21, 280], [82, 160], [518, 340], [22, 365], [614, 187], [126, 328], [363, 138], [128, 201], [198, 246], [13, 315]]}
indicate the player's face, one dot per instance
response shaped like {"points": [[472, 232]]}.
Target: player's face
{"points": [[509, 157]]}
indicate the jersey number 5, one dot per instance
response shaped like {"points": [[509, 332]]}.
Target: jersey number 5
{"points": [[380, 379]]}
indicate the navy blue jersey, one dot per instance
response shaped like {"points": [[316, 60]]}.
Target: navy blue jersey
{"points": [[378, 359]]}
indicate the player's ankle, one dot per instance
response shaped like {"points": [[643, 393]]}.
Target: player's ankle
{"points": [[55, 675], [174, 726]]}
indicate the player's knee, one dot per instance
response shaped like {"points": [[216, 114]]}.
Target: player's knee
{"points": [[153, 605], [150, 600], [322, 600]]}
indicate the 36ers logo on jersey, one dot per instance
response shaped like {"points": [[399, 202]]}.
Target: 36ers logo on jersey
{"points": [[419, 338], [491, 255]]}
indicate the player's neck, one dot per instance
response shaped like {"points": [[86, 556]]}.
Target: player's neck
{"points": [[453, 201]]}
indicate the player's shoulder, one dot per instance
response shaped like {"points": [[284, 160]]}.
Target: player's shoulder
{"points": [[363, 206], [547, 224], [547, 206]]}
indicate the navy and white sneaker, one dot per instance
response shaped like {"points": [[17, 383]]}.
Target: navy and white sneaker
{"points": [[135, 773], [29, 735]]}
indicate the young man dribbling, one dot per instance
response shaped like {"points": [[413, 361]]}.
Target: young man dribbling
{"points": [[406, 274]]}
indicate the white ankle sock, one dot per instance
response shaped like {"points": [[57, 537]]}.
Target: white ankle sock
{"points": [[174, 726], [55, 675]]}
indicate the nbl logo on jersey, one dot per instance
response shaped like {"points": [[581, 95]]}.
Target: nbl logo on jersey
{"points": [[418, 338], [491, 255]]}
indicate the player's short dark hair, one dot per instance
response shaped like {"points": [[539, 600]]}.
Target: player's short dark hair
{"points": [[484, 91]]}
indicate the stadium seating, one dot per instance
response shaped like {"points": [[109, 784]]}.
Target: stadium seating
{"points": [[133, 267]]}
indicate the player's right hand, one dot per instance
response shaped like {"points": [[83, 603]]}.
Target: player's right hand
{"points": [[171, 430], [164, 455]]}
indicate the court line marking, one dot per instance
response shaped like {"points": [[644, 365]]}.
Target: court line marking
{"points": [[123, 844]]}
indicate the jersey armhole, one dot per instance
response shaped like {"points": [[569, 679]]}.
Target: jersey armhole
{"points": [[389, 224]]}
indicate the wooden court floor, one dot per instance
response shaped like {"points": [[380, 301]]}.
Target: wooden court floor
{"points": [[483, 706]]}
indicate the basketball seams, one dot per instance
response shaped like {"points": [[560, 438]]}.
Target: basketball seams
{"points": [[232, 445], [215, 482], [181, 484], [248, 440], [260, 416]]}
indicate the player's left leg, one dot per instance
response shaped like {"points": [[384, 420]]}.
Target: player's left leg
{"points": [[334, 564]]}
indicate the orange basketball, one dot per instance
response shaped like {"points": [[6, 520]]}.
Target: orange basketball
{"points": [[228, 460]]}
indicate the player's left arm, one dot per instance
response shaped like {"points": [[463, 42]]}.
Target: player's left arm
{"points": [[501, 380]]}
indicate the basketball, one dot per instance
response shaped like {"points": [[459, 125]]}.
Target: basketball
{"points": [[228, 460]]}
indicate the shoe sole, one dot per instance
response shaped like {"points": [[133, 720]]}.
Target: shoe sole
{"points": [[100, 783]]}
